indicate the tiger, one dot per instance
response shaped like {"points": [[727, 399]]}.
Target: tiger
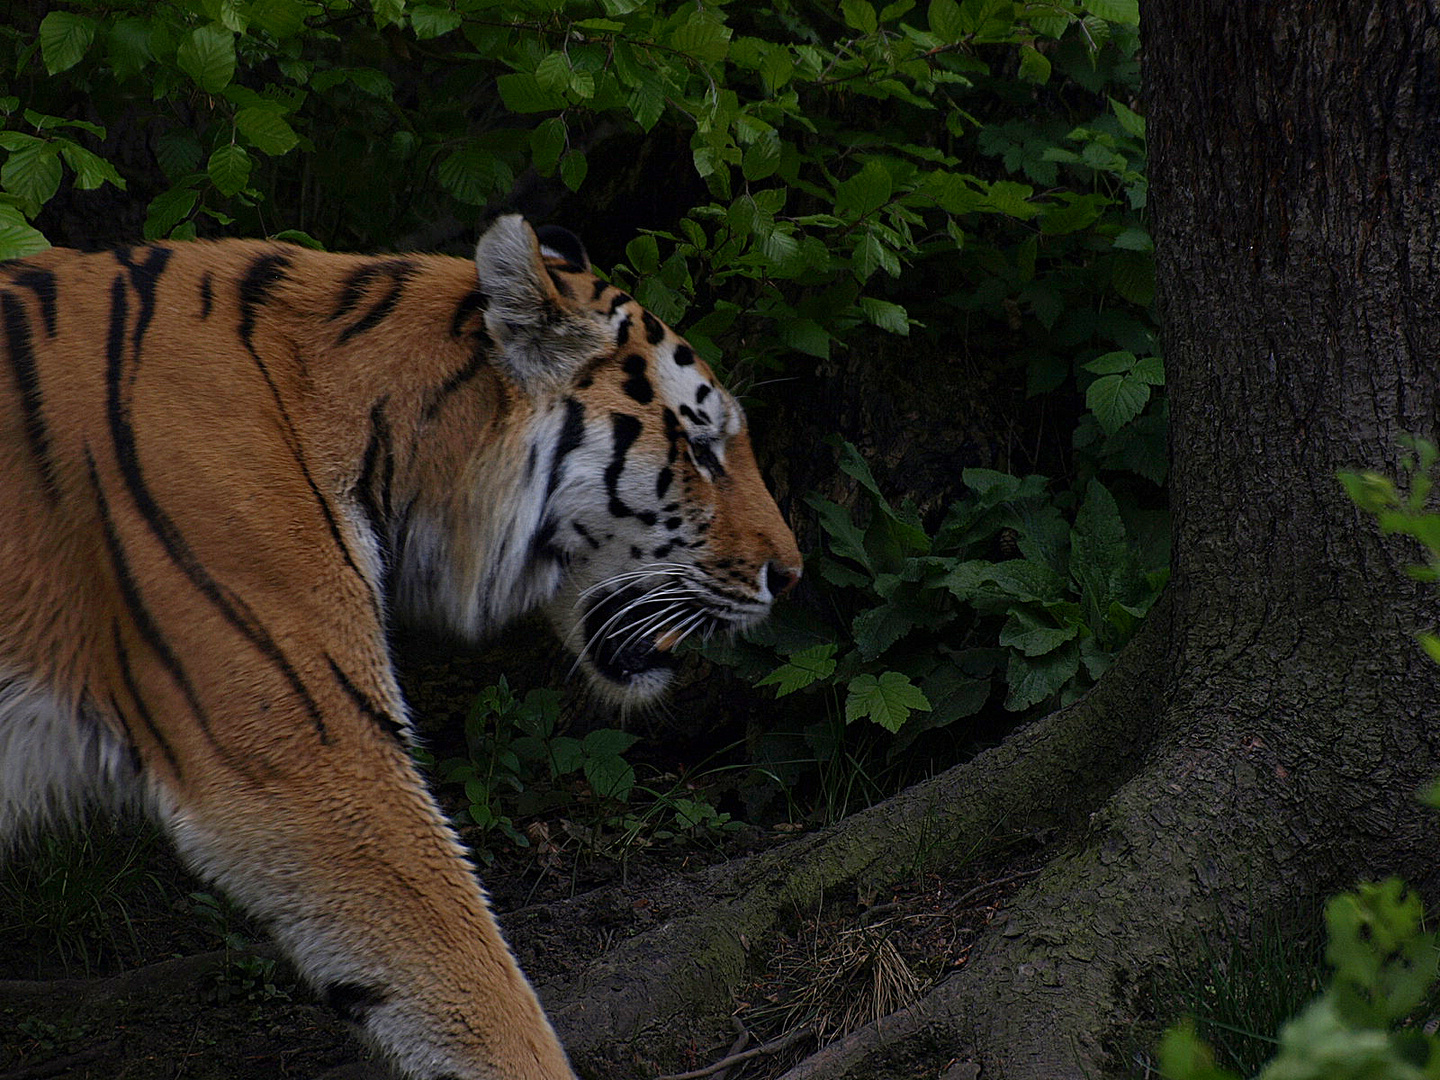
{"points": [[229, 467]]}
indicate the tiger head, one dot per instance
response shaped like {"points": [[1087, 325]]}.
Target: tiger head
{"points": [[642, 518]]}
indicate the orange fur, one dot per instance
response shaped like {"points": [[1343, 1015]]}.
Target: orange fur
{"points": [[227, 465]]}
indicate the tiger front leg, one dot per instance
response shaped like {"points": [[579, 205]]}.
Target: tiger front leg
{"points": [[339, 849]]}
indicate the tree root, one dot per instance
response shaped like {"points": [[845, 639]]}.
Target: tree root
{"points": [[657, 996]]}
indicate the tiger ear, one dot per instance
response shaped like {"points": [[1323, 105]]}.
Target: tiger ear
{"points": [[543, 338]]}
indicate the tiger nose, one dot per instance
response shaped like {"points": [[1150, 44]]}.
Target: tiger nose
{"points": [[780, 579]]}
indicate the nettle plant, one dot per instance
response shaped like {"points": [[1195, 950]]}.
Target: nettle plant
{"points": [[932, 627]]}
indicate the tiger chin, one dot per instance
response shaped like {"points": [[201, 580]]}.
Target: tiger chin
{"points": [[226, 468]]}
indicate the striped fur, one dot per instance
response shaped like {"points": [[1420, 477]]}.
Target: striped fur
{"points": [[226, 466]]}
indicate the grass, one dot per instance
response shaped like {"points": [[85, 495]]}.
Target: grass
{"points": [[73, 894], [1239, 991]]}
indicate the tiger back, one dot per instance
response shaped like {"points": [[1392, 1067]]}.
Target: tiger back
{"points": [[226, 467]]}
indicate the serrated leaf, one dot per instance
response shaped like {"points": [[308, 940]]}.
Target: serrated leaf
{"points": [[1133, 239], [762, 157], [1034, 636], [64, 39], [804, 668], [229, 169], [646, 101], [608, 742], [552, 74], [1116, 400], [887, 699], [1030, 680], [267, 129], [842, 535], [207, 55], [1131, 122], [1150, 370], [1112, 363]]}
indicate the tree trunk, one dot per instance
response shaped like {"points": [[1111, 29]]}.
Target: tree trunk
{"points": [[1295, 208]]}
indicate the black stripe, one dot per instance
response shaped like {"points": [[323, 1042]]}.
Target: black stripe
{"points": [[472, 303], [42, 284], [264, 274], [136, 761], [122, 434], [617, 300], [354, 283], [472, 368], [379, 456], [144, 277], [20, 348], [207, 295], [654, 332], [139, 613], [572, 435], [127, 676], [626, 430], [377, 714], [399, 271], [561, 285]]}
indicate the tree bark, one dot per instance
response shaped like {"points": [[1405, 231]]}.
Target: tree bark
{"points": [[1293, 181]]}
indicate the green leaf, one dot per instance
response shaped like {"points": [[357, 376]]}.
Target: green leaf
{"points": [[178, 152], [1116, 400], [64, 39], [945, 21], [703, 37], [207, 55], [229, 169], [1134, 277], [887, 316], [168, 209], [859, 15], [1131, 122], [573, 168], [1134, 239], [127, 47], [877, 628], [647, 101], [17, 238], [281, 18], [762, 157], [547, 143], [888, 699], [32, 173], [608, 742], [91, 170], [806, 336], [1126, 12], [522, 93], [432, 22], [1034, 65], [469, 175], [867, 190], [267, 129], [1030, 680], [1034, 636], [802, 669], [1112, 363]]}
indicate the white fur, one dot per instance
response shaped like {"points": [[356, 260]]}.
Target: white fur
{"points": [[55, 760]]}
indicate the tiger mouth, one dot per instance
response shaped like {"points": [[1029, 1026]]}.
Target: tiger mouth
{"points": [[631, 633]]}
